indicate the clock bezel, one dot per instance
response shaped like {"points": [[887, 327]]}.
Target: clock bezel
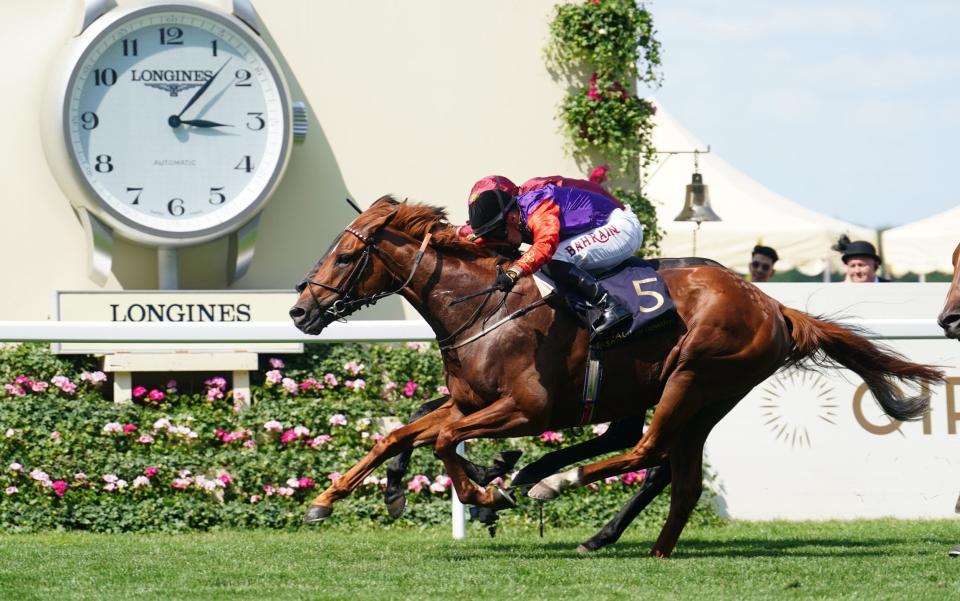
{"points": [[69, 172]]}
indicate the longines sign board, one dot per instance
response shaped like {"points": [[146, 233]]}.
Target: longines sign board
{"points": [[201, 306], [815, 445]]}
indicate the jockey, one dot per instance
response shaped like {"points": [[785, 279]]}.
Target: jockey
{"points": [[573, 224]]}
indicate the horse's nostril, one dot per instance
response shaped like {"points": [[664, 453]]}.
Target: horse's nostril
{"points": [[948, 319], [297, 313]]}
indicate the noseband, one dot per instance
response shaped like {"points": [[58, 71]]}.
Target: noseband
{"points": [[346, 304]]}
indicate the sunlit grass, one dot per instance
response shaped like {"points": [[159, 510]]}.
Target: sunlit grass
{"points": [[860, 560]]}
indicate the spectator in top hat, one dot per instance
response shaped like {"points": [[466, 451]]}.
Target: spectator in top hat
{"points": [[762, 260], [861, 259]]}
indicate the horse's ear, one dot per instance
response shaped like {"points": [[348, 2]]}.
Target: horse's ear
{"points": [[354, 205]]}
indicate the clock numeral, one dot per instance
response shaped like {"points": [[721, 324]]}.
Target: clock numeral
{"points": [[171, 36], [260, 123], [243, 78], [104, 164], [136, 198], [216, 197], [214, 44], [175, 207], [89, 120], [245, 165], [130, 48], [104, 77]]}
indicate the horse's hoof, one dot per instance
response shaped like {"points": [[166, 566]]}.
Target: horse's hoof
{"points": [[583, 549], [396, 506], [317, 513], [550, 487], [502, 499]]}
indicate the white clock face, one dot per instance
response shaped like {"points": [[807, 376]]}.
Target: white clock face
{"points": [[177, 121]]}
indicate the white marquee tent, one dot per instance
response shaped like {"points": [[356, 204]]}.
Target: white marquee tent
{"points": [[751, 214], [923, 246]]}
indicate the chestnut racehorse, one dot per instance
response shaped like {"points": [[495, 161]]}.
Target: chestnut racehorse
{"points": [[949, 318], [519, 377]]}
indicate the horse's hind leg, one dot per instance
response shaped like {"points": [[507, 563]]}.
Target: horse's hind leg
{"points": [[686, 467], [421, 431], [656, 480]]}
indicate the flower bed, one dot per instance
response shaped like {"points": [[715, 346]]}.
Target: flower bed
{"points": [[179, 460]]}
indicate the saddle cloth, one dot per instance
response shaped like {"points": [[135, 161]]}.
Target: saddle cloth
{"points": [[636, 284]]}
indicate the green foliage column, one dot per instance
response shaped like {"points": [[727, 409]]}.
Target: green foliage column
{"points": [[601, 48]]}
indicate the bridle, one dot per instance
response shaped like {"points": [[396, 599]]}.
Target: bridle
{"points": [[346, 304]]}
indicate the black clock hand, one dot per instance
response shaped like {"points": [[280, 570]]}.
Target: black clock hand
{"points": [[202, 123], [176, 118]]}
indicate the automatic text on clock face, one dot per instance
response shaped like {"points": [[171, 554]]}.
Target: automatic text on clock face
{"points": [[176, 121]]}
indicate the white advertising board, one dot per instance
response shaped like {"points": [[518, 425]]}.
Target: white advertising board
{"points": [[815, 445]]}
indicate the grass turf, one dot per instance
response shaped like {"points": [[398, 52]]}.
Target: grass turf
{"points": [[858, 560]]}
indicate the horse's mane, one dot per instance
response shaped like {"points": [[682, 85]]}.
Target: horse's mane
{"points": [[417, 219]]}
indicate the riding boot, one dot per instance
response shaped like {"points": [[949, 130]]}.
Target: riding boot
{"points": [[613, 312]]}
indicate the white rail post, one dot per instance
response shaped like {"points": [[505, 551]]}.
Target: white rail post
{"points": [[457, 518]]}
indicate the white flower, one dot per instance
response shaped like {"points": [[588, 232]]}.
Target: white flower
{"points": [[301, 430], [10, 432], [273, 426], [363, 423], [39, 475], [110, 478], [112, 428], [184, 473], [141, 481], [162, 424], [293, 483], [285, 491], [121, 484], [599, 429], [16, 467], [371, 481]]}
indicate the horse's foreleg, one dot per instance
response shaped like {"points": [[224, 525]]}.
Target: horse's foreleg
{"points": [[653, 484], [394, 495], [421, 431], [498, 420], [620, 435]]}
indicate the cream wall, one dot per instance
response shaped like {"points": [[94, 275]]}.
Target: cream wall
{"points": [[414, 98]]}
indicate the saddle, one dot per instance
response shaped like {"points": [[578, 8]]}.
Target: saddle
{"points": [[635, 283]]}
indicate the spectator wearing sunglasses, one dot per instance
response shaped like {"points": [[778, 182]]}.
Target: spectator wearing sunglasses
{"points": [[762, 260]]}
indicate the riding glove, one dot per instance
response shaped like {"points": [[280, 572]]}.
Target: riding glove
{"points": [[505, 279]]}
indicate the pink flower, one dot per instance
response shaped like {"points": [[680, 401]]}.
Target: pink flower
{"points": [[594, 1], [418, 482], [112, 428], [410, 388], [139, 391], [39, 386], [357, 384], [599, 429], [550, 437], [276, 363], [290, 385], [599, 175], [388, 389], [181, 483], [63, 383], [301, 430], [631, 478], [288, 436], [273, 426], [338, 420], [611, 479], [305, 483], [151, 472], [93, 378], [110, 478], [141, 481], [254, 498], [418, 346], [594, 94], [145, 439], [249, 444], [14, 390], [16, 467], [353, 367], [54, 435], [320, 440], [309, 384], [333, 476], [59, 487], [129, 428], [171, 386], [79, 476], [214, 394], [226, 478], [274, 376], [22, 380], [69, 387], [156, 395], [269, 490], [11, 490], [285, 491], [443, 390], [330, 380], [217, 382]]}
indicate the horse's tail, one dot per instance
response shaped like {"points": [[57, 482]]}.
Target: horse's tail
{"points": [[828, 344]]}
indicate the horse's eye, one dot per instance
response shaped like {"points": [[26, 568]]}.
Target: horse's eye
{"points": [[344, 258]]}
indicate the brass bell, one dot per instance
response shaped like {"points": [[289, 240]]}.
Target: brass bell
{"points": [[696, 204]]}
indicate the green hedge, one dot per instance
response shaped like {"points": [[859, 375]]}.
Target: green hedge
{"points": [[184, 459]]}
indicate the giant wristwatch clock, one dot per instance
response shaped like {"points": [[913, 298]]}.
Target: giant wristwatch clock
{"points": [[169, 124]]}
